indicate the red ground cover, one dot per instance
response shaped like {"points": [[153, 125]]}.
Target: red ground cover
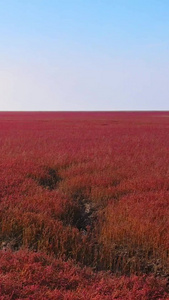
{"points": [[83, 193]]}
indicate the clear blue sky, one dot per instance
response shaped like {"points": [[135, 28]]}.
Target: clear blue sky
{"points": [[84, 55]]}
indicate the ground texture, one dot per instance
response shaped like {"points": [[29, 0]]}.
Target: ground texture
{"points": [[84, 205]]}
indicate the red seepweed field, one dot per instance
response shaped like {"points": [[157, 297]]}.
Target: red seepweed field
{"points": [[84, 205]]}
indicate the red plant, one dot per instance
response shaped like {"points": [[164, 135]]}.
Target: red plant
{"points": [[92, 187]]}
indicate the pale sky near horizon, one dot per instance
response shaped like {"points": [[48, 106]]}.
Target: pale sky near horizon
{"points": [[84, 55]]}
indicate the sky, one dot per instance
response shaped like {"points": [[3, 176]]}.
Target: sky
{"points": [[84, 55]]}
